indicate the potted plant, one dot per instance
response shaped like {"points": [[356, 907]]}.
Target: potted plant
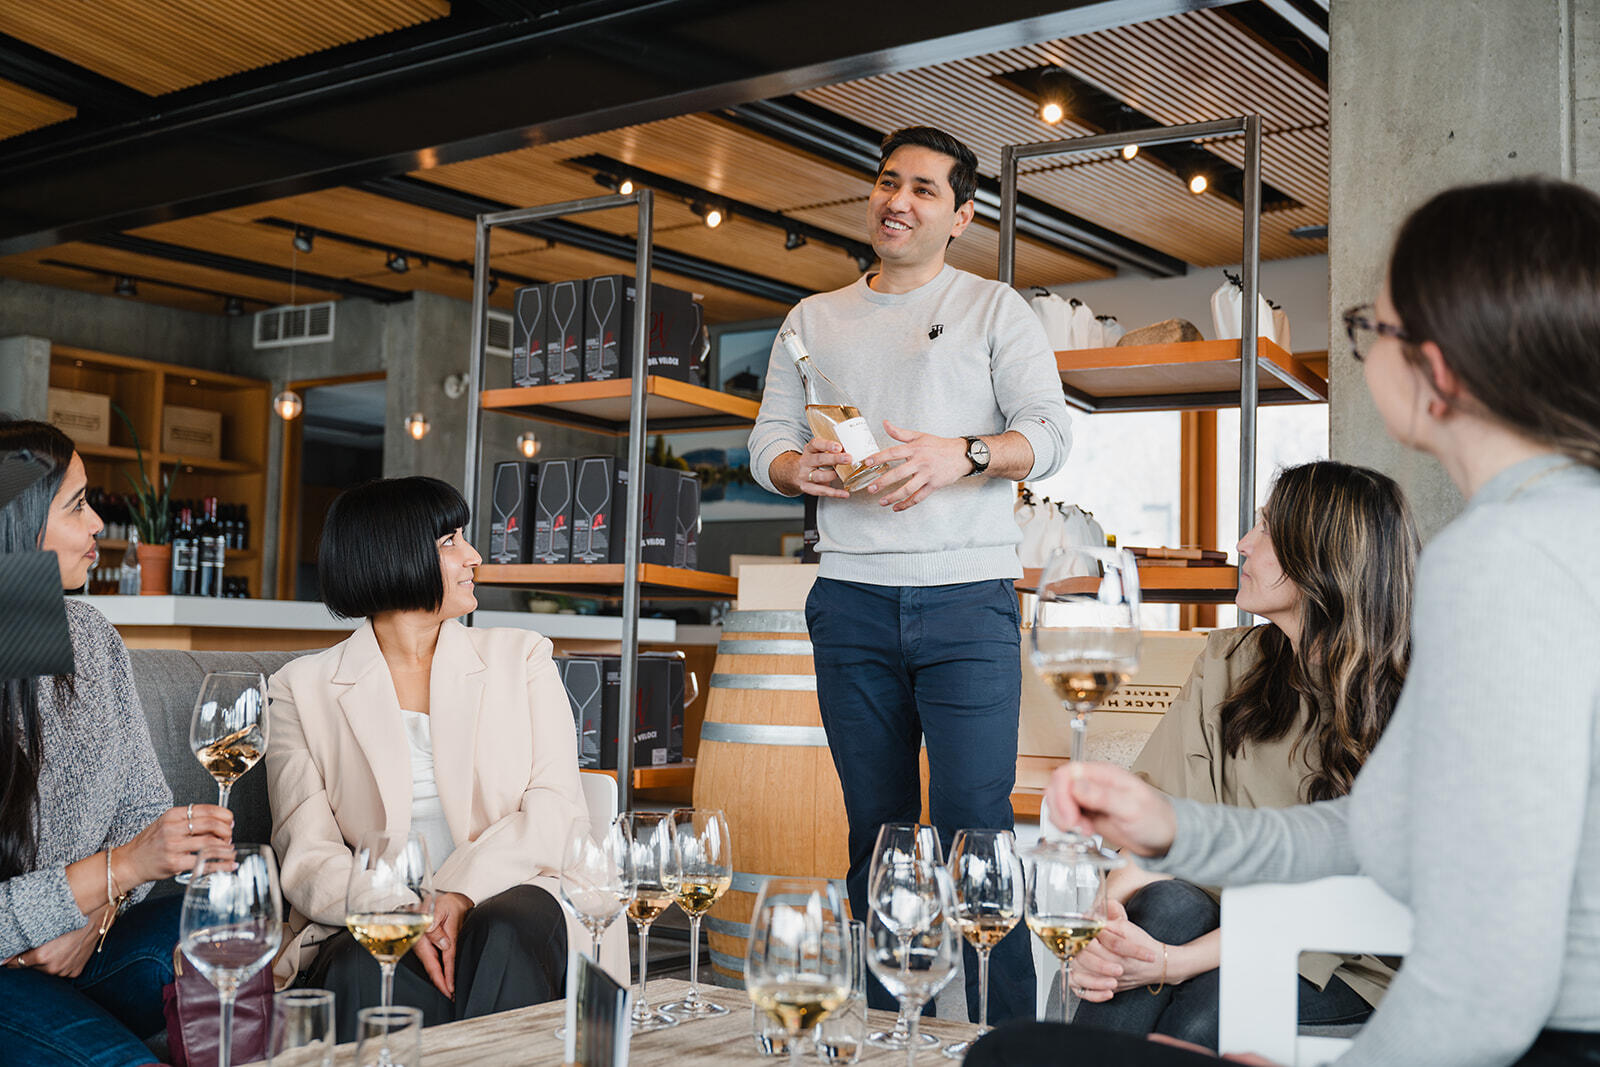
{"points": [[149, 510]]}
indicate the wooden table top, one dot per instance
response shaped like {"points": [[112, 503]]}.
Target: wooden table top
{"points": [[527, 1036]]}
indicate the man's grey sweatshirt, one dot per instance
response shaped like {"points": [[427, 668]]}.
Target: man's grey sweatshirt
{"points": [[958, 356]]}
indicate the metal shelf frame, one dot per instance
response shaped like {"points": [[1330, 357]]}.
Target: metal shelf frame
{"points": [[1247, 126], [644, 201]]}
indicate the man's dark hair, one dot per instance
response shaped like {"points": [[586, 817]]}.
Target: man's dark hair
{"points": [[379, 546], [963, 164]]}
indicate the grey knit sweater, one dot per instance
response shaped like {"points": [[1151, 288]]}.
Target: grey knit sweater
{"points": [[1480, 807], [100, 783], [957, 356]]}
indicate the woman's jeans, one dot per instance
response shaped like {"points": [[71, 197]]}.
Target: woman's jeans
{"points": [[98, 1018], [1175, 912]]}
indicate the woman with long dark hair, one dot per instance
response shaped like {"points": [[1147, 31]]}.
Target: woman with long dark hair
{"points": [[1480, 808], [1271, 716], [86, 822]]}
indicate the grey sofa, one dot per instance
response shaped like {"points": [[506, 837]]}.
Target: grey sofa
{"points": [[168, 680]]}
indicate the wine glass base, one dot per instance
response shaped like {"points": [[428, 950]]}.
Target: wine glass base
{"points": [[692, 1009], [897, 1042], [959, 1050], [183, 877], [652, 1021]]}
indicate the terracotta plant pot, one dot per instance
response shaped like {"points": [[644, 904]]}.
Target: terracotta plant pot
{"points": [[155, 570]]}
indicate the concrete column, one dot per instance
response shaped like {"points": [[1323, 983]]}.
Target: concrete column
{"points": [[1425, 95], [24, 376]]}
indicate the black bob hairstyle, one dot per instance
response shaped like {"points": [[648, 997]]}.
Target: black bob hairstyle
{"points": [[379, 546]]}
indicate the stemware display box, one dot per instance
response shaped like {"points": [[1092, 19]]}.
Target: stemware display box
{"points": [[552, 517], [511, 518], [563, 359], [594, 688], [530, 329], [674, 324]]}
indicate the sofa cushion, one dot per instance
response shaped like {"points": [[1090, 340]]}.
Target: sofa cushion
{"points": [[168, 681]]}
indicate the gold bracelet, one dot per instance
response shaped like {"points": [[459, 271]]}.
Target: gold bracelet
{"points": [[114, 899], [1163, 985]]}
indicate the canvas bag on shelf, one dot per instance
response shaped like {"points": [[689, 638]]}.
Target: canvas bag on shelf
{"points": [[1086, 332], [1055, 316], [1042, 530], [1280, 327], [1111, 328], [1227, 311], [1078, 529]]}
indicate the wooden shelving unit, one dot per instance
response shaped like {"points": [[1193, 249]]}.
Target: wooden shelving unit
{"points": [[670, 776], [1182, 376], [603, 406], [1160, 585], [144, 389]]}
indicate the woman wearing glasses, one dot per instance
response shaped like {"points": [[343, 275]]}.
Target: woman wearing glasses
{"points": [[1480, 808]]}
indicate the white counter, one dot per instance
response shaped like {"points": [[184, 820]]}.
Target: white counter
{"points": [[211, 612]]}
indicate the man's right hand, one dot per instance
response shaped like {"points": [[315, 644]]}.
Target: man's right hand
{"points": [[1104, 799], [812, 472]]}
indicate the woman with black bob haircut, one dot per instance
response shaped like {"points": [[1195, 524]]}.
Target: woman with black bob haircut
{"points": [[86, 818], [416, 722], [1271, 716], [1480, 808]]}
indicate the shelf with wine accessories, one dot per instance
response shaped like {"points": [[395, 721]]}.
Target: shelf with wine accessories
{"points": [[1159, 584], [1206, 374], [625, 407], [144, 389]]}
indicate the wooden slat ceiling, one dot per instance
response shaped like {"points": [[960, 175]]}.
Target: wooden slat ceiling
{"points": [[22, 109], [160, 47]]}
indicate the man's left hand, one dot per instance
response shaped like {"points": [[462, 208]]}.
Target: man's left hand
{"points": [[927, 462]]}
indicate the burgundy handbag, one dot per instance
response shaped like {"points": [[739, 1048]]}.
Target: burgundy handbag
{"points": [[194, 1021]]}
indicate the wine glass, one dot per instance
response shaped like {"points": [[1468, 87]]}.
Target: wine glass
{"points": [[232, 922], [1085, 635], [900, 842], [228, 731], [1066, 900], [915, 968], [797, 962], [592, 884], [703, 870], [646, 866], [389, 900], [987, 877]]}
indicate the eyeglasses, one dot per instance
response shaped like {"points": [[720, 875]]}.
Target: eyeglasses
{"points": [[1361, 325]]}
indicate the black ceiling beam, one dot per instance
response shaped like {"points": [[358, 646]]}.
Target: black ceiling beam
{"points": [[804, 125], [101, 272], [91, 93], [618, 246], [144, 246], [448, 90], [1297, 30], [425, 258]]}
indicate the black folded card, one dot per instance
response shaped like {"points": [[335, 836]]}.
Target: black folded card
{"points": [[33, 627]]}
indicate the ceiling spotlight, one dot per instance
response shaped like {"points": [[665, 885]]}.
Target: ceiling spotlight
{"points": [[528, 445], [1051, 112], [1054, 90], [1198, 183], [417, 425], [398, 262], [793, 240], [302, 239], [125, 286], [233, 306], [494, 283], [710, 214], [288, 405], [1129, 151], [625, 187]]}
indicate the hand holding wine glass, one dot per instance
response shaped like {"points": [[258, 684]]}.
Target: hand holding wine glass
{"points": [[797, 962], [703, 871], [389, 899], [989, 899], [228, 731], [232, 922]]}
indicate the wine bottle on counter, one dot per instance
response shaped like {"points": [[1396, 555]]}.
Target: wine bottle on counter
{"points": [[211, 551], [185, 555], [832, 416]]}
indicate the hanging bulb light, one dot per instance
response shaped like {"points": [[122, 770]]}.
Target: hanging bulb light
{"points": [[1129, 151], [417, 425], [288, 405], [528, 445], [1054, 90]]}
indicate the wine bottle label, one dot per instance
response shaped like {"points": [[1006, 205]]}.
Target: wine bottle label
{"points": [[856, 436]]}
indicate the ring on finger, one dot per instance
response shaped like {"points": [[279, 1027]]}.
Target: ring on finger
{"points": [[191, 820]]}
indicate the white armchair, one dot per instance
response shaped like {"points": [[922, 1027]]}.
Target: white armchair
{"points": [[1264, 930], [600, 796]]}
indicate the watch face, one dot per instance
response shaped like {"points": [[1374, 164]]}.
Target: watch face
{"points": [[978, 453]]}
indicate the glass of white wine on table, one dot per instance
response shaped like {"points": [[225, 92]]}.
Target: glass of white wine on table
{"points": [[798, 958], [647, 867], [702, 872], [987, 874], [1084, 640], [389, 899], [228, 729], [1066, 900]]}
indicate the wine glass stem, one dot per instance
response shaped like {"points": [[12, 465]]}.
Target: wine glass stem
{"points": [[983, 991], [794, 1048], [643, 1007], [387, 999], [225, 1039], [1080, 727], [222, 795], [901, 1021], [693, 996], [910, 1012], [1064, 961]]}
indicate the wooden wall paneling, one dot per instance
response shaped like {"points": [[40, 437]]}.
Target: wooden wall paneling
{"points": [[22, 109]]}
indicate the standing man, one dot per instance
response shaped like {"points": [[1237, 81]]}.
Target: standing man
{"points": [[913, 617]]}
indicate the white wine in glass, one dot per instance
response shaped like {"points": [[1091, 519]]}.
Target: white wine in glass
{"points": [[989, 889], [647, 866], [389, 898], [228, 730], [702, 871], [1066, 900], [797, 961]]}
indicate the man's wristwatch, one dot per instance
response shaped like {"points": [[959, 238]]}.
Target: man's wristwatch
{"points": [[977, 455]]}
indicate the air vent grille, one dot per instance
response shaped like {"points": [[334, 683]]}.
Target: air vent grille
{"points": [[497, 340], [294, 324]]}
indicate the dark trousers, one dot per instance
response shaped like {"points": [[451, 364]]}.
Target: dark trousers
{"points": [[900, 664], [511, 952], [1176, 912], [98, 1018]]}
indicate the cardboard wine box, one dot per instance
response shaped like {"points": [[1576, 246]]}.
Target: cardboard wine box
{"points": [[563, 360], [583, 678], [84, 417], [530, 319], [511, 512], [594, 688], [673, 347], [593, 505], [686, 540], [552, 517], [658, 533], [193, 433]]}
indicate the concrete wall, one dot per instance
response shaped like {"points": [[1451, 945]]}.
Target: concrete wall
{"points": [[1428, 94], [114, 324]]}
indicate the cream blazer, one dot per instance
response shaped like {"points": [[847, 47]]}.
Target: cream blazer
{"points": [[504, 754]]}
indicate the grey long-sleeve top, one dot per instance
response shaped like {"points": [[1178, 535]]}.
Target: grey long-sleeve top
{"points": [[99, 784], [1480, 807]]}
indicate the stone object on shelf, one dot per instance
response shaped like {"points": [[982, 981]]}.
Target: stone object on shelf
{"points": [[1168, 331]]}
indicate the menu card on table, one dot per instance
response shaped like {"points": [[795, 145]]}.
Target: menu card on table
{"points": [[598, 1016]]}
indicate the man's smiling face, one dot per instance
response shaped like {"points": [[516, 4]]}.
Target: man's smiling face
{"points": [[912, 213]]}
